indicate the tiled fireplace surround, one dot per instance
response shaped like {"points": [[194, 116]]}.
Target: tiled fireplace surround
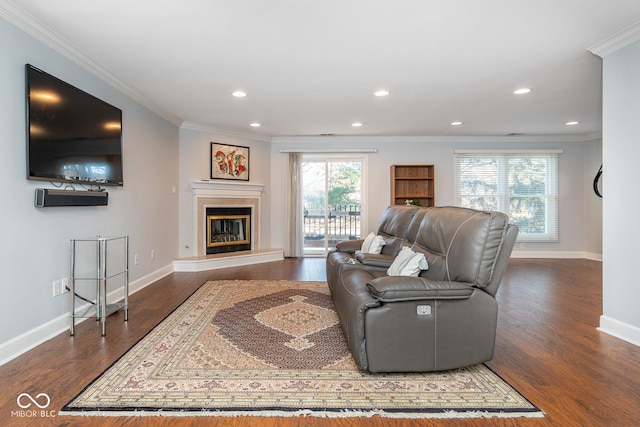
{"points": [[225, 194], [205, 202]]}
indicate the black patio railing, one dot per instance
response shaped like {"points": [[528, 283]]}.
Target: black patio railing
{"points": [[341, 222]]}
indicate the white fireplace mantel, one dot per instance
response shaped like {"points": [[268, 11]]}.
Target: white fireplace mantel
{"points": [[226, 189]]}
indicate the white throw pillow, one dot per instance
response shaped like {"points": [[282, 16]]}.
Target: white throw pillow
{"points": [[366, 244], [372, 244], [408, 263]]}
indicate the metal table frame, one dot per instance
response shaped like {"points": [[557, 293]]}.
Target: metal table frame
{"points": [[100, 309]]}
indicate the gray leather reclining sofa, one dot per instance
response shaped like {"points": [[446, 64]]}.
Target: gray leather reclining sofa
{"points": [[443, 319]]}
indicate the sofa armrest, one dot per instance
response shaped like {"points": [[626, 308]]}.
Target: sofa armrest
{"points": [[408, 288], [375, 260], [349, 246]]}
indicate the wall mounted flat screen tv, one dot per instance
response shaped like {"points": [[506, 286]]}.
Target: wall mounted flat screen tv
{"points": [[72, 136]]}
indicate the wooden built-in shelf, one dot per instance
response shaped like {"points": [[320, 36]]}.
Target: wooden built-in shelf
{"points": [[412, 182]]}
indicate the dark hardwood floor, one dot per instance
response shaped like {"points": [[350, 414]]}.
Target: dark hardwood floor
{"points": [[547, 347]]}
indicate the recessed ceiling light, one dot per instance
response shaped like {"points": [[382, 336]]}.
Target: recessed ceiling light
{"points": [[456, 123], [239, 94], [572, 123], [381, 93], [255, 125], [356, 124], [521, 91]]}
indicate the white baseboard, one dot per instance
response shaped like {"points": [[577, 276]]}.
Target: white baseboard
{"points": [[556, 254], [232, 259], [618, 329], [21, 344], [593, 256]]}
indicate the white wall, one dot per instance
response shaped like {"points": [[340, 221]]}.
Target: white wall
{"points": [[592, 203], [195, 165], [35, 242], [579, 227], [621, 151]]}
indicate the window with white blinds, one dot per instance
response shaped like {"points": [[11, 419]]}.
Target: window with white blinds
{"points": [[522, 184]]}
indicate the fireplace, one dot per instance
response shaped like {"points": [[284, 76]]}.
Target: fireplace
{"points": [[228, 229], [223, 194]]}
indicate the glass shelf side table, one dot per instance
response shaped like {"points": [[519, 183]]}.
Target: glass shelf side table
{"points": [[99, 309]]}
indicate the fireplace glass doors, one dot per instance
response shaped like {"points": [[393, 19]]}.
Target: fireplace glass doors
{"points": [[228, 230]]}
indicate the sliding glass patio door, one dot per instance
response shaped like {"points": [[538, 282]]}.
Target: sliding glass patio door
{"points": [[332, 200]]}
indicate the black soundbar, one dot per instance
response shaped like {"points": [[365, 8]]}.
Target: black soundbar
{"points": [[46, 197]]}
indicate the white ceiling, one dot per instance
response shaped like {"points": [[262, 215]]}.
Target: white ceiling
{"points": [[311, 67]]}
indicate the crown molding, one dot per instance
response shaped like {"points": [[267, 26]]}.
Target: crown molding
{"points": [[616, 41], [392, 139], [435, 138], [221, 132], [40, 31]]}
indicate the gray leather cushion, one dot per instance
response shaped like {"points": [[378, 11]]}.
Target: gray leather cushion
{"points": [[404, 288], [461, 244], [395, 220]]}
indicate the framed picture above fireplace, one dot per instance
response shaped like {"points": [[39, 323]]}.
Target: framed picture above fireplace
{"points": [[229, 162]]}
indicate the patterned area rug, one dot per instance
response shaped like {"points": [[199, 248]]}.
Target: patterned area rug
{"points": [[275, 348]]}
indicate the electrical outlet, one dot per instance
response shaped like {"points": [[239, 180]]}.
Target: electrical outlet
{"points": [[65, 285], [153, 254], [136, 259], [56, 288]]}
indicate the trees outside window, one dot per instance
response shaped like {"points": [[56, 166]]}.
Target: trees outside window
{"points": [[524, 185], [332, 199]]}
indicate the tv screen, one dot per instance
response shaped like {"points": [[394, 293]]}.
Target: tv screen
{"points": [[71, 136]]}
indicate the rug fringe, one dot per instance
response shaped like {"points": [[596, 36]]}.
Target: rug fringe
{"points": [[307, 413]]}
